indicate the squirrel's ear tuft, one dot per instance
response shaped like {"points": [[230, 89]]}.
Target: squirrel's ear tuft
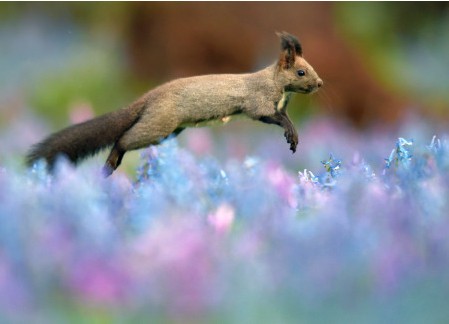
{"points": [[288, 41], [290, 47]]}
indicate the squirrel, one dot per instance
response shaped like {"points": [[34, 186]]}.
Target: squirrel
{"points": [[169, 108]]}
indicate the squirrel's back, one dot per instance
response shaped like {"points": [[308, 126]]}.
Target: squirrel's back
{"points": [[208, 97]]}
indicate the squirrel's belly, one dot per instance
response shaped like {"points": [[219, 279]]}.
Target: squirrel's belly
{"points": [[213, 122]]}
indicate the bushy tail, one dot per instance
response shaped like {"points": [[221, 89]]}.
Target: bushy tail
{"points": [[82, 140]]}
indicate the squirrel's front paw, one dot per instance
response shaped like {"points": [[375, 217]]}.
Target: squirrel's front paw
{"points": [[292, 139]]}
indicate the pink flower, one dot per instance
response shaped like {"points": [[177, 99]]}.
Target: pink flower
{"points": [[223, 218], [283, 183], [81, 112], [99, 281], [199, 141]]}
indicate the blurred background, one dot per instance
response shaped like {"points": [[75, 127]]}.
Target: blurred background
{"points": [[221, 223], [62, 63]]}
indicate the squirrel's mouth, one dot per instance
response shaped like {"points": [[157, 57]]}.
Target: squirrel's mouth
{"points": [[306, 90]]}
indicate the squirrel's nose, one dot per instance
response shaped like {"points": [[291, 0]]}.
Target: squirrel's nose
{"points": [[319, 83]]}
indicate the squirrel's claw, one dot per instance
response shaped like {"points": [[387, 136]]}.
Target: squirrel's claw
{"points": [[292, 139]]}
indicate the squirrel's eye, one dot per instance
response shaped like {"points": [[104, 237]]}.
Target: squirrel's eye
{"points": [[301, 72]]}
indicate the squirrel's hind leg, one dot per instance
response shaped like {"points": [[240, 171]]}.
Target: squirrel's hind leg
{"points": [[114, 159]]}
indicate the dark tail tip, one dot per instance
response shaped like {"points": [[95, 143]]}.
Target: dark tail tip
{"points": [[35, 155]]}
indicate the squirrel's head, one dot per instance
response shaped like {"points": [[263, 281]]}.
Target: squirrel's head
{"points": [[294, 73]]}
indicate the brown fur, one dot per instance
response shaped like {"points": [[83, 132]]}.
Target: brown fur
{"points": [[169, 108]]}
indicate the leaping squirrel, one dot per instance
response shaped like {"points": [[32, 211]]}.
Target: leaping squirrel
{"points": [[170, 108]]}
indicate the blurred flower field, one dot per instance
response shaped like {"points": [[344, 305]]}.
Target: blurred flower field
{"points": [[196, 239], [225, 225]]}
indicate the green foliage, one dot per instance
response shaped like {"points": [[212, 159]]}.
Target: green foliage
{"points": [[92, 77], [301, 107], [404, 45]]}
